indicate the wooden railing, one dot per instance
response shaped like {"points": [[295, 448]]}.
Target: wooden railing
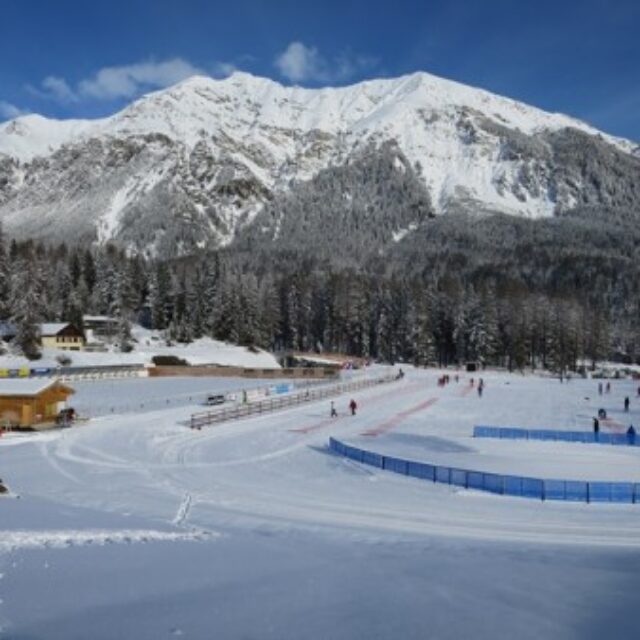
{"points": [[275, 403]]}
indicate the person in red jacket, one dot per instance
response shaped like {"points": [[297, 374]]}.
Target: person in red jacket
{"points": [[353, 406]]}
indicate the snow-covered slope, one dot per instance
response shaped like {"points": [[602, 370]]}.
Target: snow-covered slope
{"points": [[191, 163]]}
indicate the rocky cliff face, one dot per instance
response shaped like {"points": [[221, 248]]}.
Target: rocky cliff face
{"points": [[195, 164]]}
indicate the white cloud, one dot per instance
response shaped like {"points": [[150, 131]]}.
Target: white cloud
{"points": [[59, 89], [9, 111], [126, 81], [224, 69], [129, 80], [300, 63]]}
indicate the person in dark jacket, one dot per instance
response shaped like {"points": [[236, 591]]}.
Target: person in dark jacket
{"points": [[353, 406], [596, 425], [631, 434], [626, 403]]}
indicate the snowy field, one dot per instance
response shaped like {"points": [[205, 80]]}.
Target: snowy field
{"points": [[133, 526], [146, 345], [138, 395]]}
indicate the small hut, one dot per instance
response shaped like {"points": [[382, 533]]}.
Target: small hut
{"points": [[25, 403]]}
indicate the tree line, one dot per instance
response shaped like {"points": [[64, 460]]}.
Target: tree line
{"points": [[388, 315]]}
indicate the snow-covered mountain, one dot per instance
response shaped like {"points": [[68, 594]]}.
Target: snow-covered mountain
{"points": [[194, 163]]}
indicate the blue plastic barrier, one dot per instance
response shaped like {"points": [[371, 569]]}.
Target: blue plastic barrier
{"points": [[493, 482], [336, 445], [513, 486], [532, 488], [475, 480], [354, 454], [486, 432], [538, 434], [458, 477], [569, 490], [513, 433], [576, 491], [395, 464], [554, 490], [373, 459], [421, 470], [599, 492], [622, 492], [443, 475]]}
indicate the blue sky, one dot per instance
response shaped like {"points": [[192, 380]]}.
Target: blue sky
{"points": [[73, 58]]}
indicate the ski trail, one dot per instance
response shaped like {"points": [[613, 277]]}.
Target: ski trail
{"points": [[397, 419], [370, 401], [315, 427], [183, 510], [51, 457]]}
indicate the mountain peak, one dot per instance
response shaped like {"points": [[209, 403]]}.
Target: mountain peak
{"points": [[211, 152]]}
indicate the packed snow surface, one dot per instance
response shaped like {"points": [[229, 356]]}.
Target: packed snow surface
{"points": [[147, 345], [254, 529]]}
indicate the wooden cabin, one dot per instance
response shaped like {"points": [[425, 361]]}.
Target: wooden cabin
{"points": [[26, 403]]}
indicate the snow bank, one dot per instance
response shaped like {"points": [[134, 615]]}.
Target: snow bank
{"points": [[148, 345], [15, 540]]}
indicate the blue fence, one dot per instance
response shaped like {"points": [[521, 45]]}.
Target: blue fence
{"points": [[567, 490], [511, 433]]}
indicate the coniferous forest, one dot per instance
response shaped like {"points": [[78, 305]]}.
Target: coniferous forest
{"points": [[499, 290], [355, 260]]}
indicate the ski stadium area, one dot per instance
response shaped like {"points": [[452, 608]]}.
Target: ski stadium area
{"points": [[133, 524]]}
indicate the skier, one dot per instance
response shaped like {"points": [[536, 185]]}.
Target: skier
{"points": [[353, 406], [626, 404], [480, 391], [631, 434], [600, 388], [334, 413], [608, 388], [596, 425]]}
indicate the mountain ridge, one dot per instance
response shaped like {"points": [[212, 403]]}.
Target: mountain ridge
{"points": [[192, 165]]}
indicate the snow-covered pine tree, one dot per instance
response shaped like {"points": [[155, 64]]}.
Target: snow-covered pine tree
{"points": [[422, 335], [26, 305], [62, 289], [89, 270], [269, 307], [249, 331], [5, 278]]}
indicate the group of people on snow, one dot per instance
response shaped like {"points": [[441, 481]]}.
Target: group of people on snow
{"points": [[607, 389], [353, 405]]}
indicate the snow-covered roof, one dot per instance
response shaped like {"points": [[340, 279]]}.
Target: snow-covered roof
{"points": [[88, 318], [22, 387], [52, 328]]}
